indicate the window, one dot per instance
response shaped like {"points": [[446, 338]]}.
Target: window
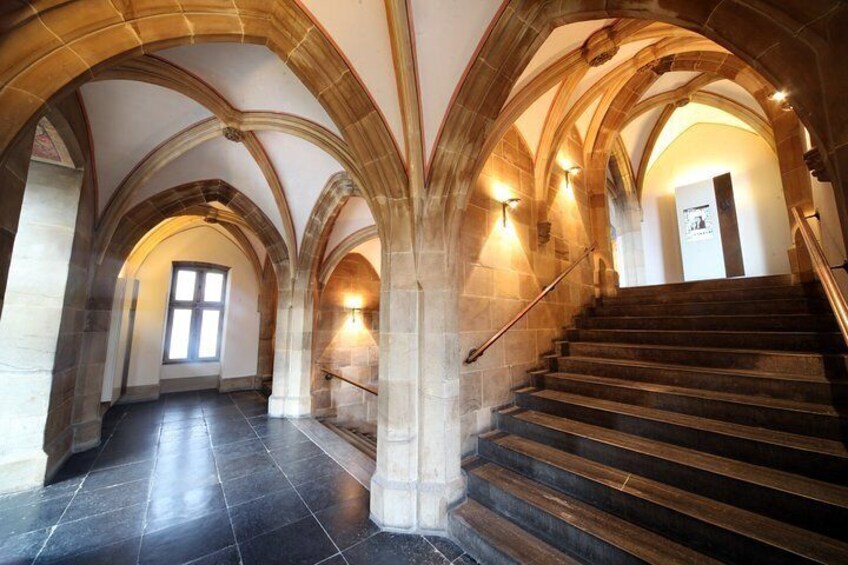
{"points": [[195, 313]]}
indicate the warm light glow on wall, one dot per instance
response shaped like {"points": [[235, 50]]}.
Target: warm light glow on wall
{"points": [[502, 192], [354, 305]]}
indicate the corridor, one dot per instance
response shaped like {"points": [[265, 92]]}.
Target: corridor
{"points": [[203, 478]]}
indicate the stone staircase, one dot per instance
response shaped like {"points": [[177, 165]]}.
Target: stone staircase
{"points": [[698, 422]]}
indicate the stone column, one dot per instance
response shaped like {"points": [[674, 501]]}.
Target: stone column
{"points": [[31, 319], [290, 395], [418, 449]]}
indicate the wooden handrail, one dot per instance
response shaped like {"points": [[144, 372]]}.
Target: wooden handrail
{"points": [[331, 375], [475, 354], [823, 272]]}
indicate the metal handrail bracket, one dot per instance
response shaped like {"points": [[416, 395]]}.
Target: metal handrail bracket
{"points": [[823, 272], [476, 353]]}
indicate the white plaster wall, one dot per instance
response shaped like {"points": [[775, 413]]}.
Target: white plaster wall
{"points": [[241, 323], [354, 216], [702, 152]]}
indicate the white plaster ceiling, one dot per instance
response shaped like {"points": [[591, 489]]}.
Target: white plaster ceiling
{"points": [[372, 251], [216, 159], [531, 122], [250, 77], [354, 216], [303, 169], [730, 89], [128, 119], [367, 47], [684, 118], [585, 118], [669, 81], [635, 134], [559, 43], [447, 33]]}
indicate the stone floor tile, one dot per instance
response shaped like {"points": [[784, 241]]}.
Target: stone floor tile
{"points": [[331, 490], [88, 534], [22, 519], [303, 542], [255, 485], [295, 452], [446, 547], [22, 548], [253, 446], [100, 501], [187, 541], [305, 470], [267, 513], [118, 475], [348, 522], [227, 556], [387, 548], [120, 553], [184, 505]]}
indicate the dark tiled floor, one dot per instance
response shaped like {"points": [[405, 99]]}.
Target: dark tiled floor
{"points": [[204, 478]]}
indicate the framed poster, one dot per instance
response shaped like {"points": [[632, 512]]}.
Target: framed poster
{"points": [[698, 223]]}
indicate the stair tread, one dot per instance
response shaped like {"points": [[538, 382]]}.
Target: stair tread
{"points": [[508, 538], [628, 537], [773, 532], [710, 370], [710, 349], [764, 435], [766, 333], [728, 283], [789, 289], [745, 399], [827, 493]]}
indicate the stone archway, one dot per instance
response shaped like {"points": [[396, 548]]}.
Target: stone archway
{"points": [[187, 199]]}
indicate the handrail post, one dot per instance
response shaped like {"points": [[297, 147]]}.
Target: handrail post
{"points": [[478, 352], [330, 375]]}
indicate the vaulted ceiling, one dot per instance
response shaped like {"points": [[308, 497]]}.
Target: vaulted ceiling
{"points": [[156, 121]]}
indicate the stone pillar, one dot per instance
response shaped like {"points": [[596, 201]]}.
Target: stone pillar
{"points": [[418, 449], [31, 320], [629, 232], [605, 277], [290, 395]]}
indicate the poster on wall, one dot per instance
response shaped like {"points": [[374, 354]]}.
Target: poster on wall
{"points": [[698, 223]]}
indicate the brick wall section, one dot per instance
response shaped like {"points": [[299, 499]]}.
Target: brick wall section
{"points": [[503, 269], [351, 351]]}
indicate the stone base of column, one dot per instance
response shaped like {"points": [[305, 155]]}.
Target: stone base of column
{"points": [[87, 435], [413, 507], [21, 471], [289, 407]]}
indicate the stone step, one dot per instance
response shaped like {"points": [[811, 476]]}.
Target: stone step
{"points": [[586, 532], [816, 420], [823, 342], [814, 457], [711, 284], [807, 503], [732, 322], [810, 291], [746, 307], [796, 363], [720, 530], [803, 388], [490, 538]]}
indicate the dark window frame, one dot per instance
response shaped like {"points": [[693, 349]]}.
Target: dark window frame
{"points": [[197, 305]]}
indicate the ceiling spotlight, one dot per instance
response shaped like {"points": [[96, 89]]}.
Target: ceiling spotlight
{"points": [[511, 203]]}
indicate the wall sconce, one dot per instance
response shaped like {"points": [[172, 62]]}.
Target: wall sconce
{"points": [[781, 97], [511, 203], [571, 172], [355, 314]]}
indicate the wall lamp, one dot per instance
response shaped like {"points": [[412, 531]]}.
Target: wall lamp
{"points": [[781, 97], [571, 172], [354, 305], [511, 203]]}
